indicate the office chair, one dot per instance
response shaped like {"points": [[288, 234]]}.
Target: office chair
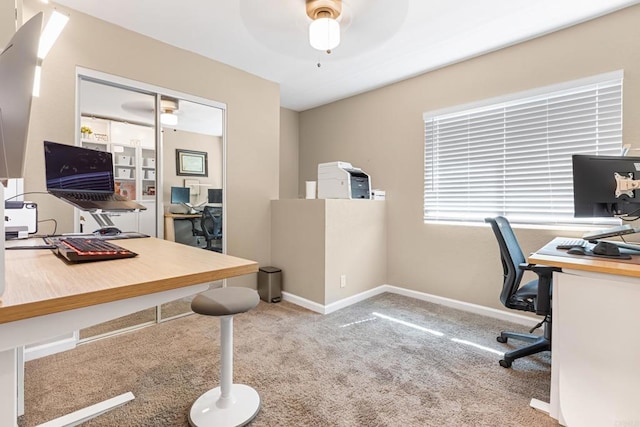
{"points": [[534, 296], [210, 227]]}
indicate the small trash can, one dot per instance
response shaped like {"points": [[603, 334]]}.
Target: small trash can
{"points": [[270, 284]]}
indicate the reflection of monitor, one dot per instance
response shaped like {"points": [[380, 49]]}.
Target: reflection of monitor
{"points": [[180, 195], [17, 71], [594, 186], [214, 195]]}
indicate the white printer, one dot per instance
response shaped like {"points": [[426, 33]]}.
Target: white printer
{"points": [[340, 180]]}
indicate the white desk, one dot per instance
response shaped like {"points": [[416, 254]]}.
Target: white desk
{"points": [[46, 297], [595, 356]]}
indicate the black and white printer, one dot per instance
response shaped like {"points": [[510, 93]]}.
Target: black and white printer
{"points": [[340, 180]]}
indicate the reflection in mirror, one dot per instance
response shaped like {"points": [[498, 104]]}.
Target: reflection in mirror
{"points": [[121, 121], [120, 116], [193, 149], [115, 119]]}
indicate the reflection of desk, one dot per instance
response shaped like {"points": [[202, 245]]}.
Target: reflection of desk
{"points": [[169, 228], [45, 297], [595, 357]]}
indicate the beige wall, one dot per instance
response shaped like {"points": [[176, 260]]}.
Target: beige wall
{"points": [[382, 132], [315, 242], [253, 115], [289, 133]]}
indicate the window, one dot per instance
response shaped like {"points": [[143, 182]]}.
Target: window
{"points": [[512, 156]]}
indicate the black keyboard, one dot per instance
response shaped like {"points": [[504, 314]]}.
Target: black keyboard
{"points": [[96, 197], [78, 249]]}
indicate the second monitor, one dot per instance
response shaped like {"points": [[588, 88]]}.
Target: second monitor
{"points": [[214, 195]]}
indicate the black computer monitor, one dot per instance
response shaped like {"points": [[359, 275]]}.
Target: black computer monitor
{"points": [[180, 195], [595, 181], [214, 195]]}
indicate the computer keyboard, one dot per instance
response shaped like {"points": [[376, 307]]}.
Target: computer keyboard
{"points": [[78, 249], [96, 197], [572, 243]]}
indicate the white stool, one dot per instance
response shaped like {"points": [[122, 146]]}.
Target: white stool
{"points": [[229, 404]]}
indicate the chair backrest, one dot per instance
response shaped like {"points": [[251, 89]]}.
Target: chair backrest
{"points": [[511, 256], [211, 223]]}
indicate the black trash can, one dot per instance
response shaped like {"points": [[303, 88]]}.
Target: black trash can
{"points": [[270, 284]]}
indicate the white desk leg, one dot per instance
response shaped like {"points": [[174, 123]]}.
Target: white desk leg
{"points": [[552, 408], [8, 387], [540, 406], [85, 414], [20, 372]]}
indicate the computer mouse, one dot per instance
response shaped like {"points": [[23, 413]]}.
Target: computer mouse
{"points": [[577, 250], [108, 231], [606, 248]]}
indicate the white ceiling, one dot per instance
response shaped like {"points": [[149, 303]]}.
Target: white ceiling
{"points": [[383, 41]]}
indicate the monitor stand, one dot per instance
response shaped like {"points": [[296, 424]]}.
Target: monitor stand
{"points": [[192, 210]]}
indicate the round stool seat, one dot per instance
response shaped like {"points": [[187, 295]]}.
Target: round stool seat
{"points": [[225, 301]]}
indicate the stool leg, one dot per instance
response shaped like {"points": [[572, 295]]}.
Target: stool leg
{"points": [[230, 404], [226, 362]]}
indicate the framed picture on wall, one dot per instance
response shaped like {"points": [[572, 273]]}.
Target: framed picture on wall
{"points": [[191, 163]]}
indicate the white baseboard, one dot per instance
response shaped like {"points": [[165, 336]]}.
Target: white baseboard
{"points": [[303, 302], [326, 309], [448, 302]]}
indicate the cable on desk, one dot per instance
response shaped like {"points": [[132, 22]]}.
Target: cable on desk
{"points": [[55, 226], [24, 194]]}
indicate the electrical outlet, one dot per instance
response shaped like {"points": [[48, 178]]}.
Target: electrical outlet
{"points": [[343, 280]]}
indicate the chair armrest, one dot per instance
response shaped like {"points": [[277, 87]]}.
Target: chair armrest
{"points": [[545, 274]]}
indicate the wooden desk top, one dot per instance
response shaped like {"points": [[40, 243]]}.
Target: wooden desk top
{"points": [[39, 283], [549, 255], [182, 215]]}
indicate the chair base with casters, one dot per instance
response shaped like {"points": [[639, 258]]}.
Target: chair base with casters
{"points": [[229, 404], [538, 343]]}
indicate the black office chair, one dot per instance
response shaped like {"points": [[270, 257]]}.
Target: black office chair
{"points": [[210, 227], [534, 296]]}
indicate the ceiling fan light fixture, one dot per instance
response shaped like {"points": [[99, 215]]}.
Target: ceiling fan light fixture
{"points": [[167, 108], [168, 119], [324, 30], [324, 34]]}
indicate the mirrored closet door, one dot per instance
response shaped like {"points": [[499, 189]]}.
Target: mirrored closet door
{"points": [[160, 140]]}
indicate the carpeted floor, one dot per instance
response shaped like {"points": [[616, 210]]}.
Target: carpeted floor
{"points": [[387, 361]]}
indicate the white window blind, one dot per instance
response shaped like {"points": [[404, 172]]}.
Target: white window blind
{"points": [[513, 157]]}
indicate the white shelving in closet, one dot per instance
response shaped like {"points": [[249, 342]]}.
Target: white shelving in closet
{"points": [[134, 158]]}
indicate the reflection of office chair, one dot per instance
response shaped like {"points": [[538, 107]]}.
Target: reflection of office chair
{"points": [[535, 296], [210, 227]]}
